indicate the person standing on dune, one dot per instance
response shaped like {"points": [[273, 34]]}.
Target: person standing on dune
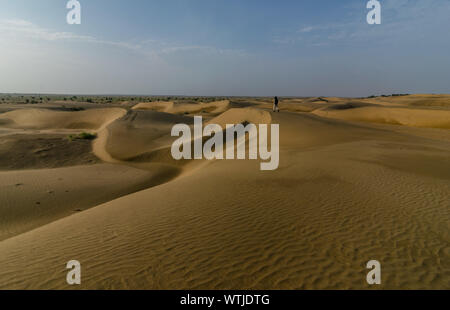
{"points": [[275, 105]]}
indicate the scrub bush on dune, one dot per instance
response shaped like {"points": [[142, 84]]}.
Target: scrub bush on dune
{"points": [[82, 136]]}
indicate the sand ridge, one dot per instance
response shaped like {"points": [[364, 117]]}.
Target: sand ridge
{"points": [[389, 115], [94, 119], [170, 107]]}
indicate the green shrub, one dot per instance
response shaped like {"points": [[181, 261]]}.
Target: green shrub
{"points": [[82, 136]]}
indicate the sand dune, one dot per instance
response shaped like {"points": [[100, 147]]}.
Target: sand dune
{"points": [[20, 150], [32, 198], [238, 116], [171, 107], [162, 106], [419, 100], [145, 136], [47, 119], [396, 116], [142, 139], [136, 133], [350, 188]]}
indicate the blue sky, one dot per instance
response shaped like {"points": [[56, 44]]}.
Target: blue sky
{"points": [[225, 47]]}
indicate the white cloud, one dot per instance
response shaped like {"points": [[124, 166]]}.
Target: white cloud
{"points": [[306, 29], [29, 30], [18, 28]]}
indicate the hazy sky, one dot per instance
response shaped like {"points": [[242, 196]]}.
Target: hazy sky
{"points": [[225, 47]]}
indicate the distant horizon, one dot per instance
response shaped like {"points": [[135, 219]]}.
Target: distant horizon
{"points": [[207, 96]]}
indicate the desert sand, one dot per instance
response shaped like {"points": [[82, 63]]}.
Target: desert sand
{"points": [[171, 107], [359, 179]]}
